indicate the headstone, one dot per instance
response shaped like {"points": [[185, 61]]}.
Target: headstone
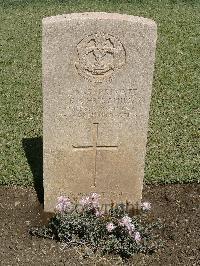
{"points": [[97, 80]]}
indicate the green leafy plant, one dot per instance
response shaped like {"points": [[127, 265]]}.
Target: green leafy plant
{"points": [[112, 232]]}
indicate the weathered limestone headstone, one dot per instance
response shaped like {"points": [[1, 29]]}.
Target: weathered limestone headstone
{"points": [[97, 79]]}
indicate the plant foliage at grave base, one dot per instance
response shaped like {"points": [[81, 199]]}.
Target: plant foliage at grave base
{"points": [[114, 232]]}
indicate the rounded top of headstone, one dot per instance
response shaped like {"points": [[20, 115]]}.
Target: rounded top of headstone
{"points": [[98, 16]]}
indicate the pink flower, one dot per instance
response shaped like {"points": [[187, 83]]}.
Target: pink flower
{"points": [[64, 204], [90, 202], [99, 213], [95, 200], [137, 237], [110, 227], [94, 196], [85, 202], [146, 206], [126, 221]]}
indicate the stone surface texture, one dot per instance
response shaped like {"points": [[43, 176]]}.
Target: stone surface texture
{"points": [[97, 82]]}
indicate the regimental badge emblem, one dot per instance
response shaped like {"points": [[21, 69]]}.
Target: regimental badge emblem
{"points": [[99, 56]]}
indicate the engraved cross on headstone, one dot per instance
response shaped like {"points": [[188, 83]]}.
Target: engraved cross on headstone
{"points": [[94, 148]]}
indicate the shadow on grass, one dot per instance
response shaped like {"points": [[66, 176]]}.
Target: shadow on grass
{"points": [[33, 150]]}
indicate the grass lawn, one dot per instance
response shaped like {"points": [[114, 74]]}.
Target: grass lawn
{"points": [[172, 154]]}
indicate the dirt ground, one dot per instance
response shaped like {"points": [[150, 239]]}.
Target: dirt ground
{"points": [[176, 205]]}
